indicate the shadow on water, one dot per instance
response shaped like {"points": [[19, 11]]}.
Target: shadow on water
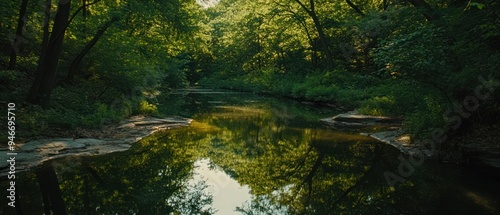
{"points": [[245, 154]]}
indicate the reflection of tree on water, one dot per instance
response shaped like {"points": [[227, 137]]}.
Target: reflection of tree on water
{"points": [[290, 167], [152, 178], [51, 193], [297, 170]]}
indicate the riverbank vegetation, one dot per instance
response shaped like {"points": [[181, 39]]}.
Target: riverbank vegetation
{"points": [[416, 59], [69, 64]]}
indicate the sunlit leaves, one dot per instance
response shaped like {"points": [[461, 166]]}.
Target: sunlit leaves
{"points": [[141, 51]]}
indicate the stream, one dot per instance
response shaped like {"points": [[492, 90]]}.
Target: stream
{"points": [[250, 154]]}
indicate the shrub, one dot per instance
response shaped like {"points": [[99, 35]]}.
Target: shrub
{"points": [[378, 106], [147, 108], [420, 55], [102, 116], [421, 122]]}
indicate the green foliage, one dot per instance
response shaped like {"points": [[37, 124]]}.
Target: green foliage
{"points": [[335, 87], [478, 5], [389, 61], [147, 108], [7, 76], [377, 106], [140, 52], [423, 121], [175, 74], [11, 83], [421, 55], [104, 114], [33, 123]]}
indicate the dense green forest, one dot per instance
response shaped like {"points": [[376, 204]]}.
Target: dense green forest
{"points": [[84, 64]]}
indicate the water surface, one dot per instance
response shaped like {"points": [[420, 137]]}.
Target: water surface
{"points": [[247, 154]]}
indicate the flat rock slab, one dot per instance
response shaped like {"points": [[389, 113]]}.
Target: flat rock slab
{"points": [[393, 135], [34, 153], [401, 141], [352, 120]]}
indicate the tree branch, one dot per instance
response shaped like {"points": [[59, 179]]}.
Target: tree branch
{"points": [[79, 9], [73, 17], [356, 8], [304, 7]]}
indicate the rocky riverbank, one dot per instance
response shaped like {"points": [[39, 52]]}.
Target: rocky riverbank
{"points": [[382, 128], [480, 146], [88, 142]]}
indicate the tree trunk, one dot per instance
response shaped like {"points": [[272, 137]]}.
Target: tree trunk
{"points": [[319, 29], [78, 59], [309, 37], [46, 34], [45, 77], [324, 43], [84, 10], [19, 34]]}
